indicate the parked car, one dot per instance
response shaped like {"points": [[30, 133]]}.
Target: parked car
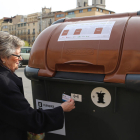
{"points": [[25, 54]]}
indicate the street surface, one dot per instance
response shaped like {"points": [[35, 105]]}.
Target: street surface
{"points": [[26, 85]]}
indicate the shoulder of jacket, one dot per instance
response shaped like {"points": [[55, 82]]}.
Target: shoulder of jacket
{"points": [[4, 80]]}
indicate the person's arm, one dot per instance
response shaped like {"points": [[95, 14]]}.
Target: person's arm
{"points": [[16, 111]]}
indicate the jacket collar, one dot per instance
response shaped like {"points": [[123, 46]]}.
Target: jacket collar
{"points": [[12, 76]]}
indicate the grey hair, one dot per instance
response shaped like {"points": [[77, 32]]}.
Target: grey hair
{"points": [[8, 44]]}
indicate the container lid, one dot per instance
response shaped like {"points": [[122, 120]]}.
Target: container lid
{"points": [[92, 46]]}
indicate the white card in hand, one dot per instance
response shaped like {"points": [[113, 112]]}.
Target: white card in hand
{"points": [[65, 97]]}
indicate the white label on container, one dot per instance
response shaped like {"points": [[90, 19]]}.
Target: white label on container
{"points": [[87, 31], [40, 104], [100, 97], [76, 97]]}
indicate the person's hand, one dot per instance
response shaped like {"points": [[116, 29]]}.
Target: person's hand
{"points": [[68, 106]]}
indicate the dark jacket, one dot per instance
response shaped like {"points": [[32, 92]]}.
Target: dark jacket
{"points": [[17, 117]]}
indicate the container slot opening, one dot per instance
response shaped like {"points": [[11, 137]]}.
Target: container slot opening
{"points": [[83, 68], [80, 76]]}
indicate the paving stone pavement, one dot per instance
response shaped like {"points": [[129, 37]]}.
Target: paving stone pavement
{"points": [[26, 85]]}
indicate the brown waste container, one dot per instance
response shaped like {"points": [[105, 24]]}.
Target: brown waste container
{"points": [[96, 61]]}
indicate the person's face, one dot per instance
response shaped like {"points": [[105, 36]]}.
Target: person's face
{"points": [[12, 61]]}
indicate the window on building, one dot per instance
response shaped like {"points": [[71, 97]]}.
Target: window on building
{"points": [[89, 9], [101, 1], [78, 4], [33, 31], [71, 13], [60, 15], [33, 38], [22, 20], [5, 27], [21, 24], [18, 25], [101, 10], [24, 24], [28, 31], [24, 31], [80, 11], [109, 12], [33, 23], [84, 4]]}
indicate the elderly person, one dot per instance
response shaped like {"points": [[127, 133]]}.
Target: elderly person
{"points": [[17, 117]]}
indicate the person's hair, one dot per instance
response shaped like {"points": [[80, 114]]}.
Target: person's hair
{"points": [[8, 44]]}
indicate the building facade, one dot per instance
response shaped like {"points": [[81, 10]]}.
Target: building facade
{"points": [[5, 24], [18, 27], [32, 27], [1, 20], [83, 9], [45, 19], [59, 15], [82, 3], [21, 30], [99, 3], [87, 11]]}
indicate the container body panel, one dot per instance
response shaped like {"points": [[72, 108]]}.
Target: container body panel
{"points": [[118, 121]]}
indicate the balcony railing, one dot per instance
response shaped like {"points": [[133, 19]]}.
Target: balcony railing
{"points": [[24, 33]]}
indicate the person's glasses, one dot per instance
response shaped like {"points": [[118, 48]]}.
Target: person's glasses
{"points": [[19, 56]]}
